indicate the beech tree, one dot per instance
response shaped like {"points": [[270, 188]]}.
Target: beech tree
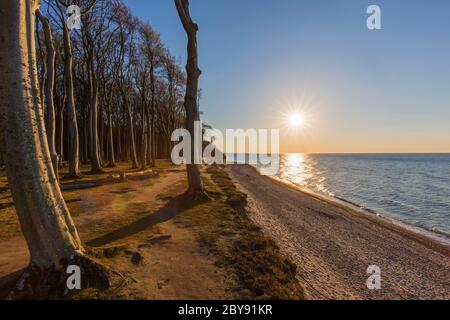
{"points": [[152, 50], [195, 189], [126, 86], [73, 150], [49, 87], [45, 220]]}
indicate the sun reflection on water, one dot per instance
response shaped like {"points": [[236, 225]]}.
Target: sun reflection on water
{"points": [[293, 168], [302, 170]]}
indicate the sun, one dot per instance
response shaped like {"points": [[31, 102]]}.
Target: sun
{"points": [[296, 120]]}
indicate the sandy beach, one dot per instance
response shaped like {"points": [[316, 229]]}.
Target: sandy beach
{"points": [[333, 244]]}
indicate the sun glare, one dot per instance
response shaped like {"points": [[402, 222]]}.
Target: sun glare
{"points": [[296, 119], [295, 116]]}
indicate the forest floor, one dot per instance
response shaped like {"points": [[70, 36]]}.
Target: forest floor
{"points": [[159, 244]]}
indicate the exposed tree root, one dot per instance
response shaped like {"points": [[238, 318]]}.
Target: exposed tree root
{"points": [[51, 283], [197, 195]]}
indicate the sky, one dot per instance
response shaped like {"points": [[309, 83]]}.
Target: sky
{"points": [[359, 90]]}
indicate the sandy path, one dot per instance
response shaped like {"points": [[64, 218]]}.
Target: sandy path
{"points": [[160, 244], [333, 247], [96, 205]]}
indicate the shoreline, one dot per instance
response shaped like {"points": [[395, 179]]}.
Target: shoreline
{"points": [[417, 232], [333, 242], [401, 219]]}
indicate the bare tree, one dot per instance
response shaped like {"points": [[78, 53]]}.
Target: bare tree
{"points": [[49, 87], [195, 189], [141, 82], [127, 26], [126, 86], [152, 50], [44, 217]]}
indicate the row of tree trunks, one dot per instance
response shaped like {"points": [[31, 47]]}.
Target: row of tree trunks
{"points": [[96, 166], [73, 149], [29, 147], [44, 217]]}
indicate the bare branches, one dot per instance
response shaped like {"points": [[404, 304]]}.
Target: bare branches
{"points": [[140, 84]]}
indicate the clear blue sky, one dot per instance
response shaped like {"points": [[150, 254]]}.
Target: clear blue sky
{"points": [[363, 91]]}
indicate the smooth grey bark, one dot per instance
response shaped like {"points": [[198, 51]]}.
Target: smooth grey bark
{"points": [[134, 162], [49, 87], [60, 135], [44, 63], [110, 133], [151, 123], [143, 139], [111, 159], [150, 159], [195, 189], [73, 140], [44, 218], [119, 144], [93, 116], [132, 146]]}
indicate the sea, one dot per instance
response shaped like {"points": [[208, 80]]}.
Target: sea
{"points": [[410, 188]]}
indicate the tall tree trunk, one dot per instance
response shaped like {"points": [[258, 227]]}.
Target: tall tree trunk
{"points": [[195, 189], [49, 87], [60, 136], [149, 140], [111, 160], [93, 118], [100, 140], [42, 85], [143, 140], [73, 139], [45, 220], [119, 143], [134, 162], [86, 126], [151, 127]]}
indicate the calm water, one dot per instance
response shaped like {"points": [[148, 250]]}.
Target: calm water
{"points": [[413, 188]]}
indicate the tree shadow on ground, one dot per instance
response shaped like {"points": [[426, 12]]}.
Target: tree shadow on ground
{"points": [[110, 179], [170, 210]]}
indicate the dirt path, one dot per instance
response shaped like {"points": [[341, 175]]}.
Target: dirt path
{"points": [[136, 214], [171, 266], [333, 247], [96, 205]]}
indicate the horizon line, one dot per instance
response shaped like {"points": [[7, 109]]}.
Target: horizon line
{"points": [[350, 153]]}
